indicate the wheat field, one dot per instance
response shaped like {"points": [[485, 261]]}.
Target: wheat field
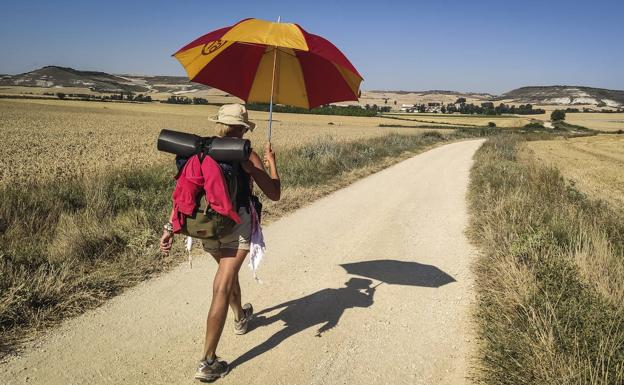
{"points": [[52, 139], [597, 121], [594, 163], [511, 121]]}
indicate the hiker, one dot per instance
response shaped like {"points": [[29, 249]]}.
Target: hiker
{"points": [[231, 249]]}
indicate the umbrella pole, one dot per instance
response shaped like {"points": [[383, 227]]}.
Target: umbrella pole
{"points": [[272, 89]]}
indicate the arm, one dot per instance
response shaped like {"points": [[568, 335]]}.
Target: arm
{"points": [[269, 182], [166, 241], [331, 322]]}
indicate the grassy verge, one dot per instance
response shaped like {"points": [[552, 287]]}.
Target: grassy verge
{"points": [[550, 280], [69, 245]]}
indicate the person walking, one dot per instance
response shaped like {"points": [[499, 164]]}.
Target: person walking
{"points": [[231, 249]]}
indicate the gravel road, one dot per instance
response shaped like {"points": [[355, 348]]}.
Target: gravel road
{"points": [[369, 285]]}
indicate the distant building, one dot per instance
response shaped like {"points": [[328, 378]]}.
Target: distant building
{"points": [[434, 107], [408, 108]]}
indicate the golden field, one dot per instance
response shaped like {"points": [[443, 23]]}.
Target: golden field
{"points": [[597, 121], [510, 121], [48, 139], [594, 163]]}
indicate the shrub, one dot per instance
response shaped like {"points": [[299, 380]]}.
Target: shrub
{"points": [[534, 125], [557, 115]]}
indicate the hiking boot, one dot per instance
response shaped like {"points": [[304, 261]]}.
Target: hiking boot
{"points": [[213, 371], [240, 326]]}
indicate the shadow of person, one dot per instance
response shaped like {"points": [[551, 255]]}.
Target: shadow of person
{"points": [[324, 308]]}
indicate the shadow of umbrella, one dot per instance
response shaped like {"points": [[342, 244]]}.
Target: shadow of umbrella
{"points": [[400, 272]]}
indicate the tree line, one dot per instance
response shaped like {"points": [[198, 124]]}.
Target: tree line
{"points": [[120, 96], [185, 100], [326, 109], [486, 108]]}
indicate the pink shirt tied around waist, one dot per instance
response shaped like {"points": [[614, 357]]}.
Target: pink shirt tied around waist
{"points": [[194, 176]]}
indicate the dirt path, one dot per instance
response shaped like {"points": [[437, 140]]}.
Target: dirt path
{"points": [[403, 225]]}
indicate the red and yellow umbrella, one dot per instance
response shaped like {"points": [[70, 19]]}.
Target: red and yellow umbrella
{"points": [[266, 62]]}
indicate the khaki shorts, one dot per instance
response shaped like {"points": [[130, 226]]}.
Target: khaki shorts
{"points": [[238, 239]]}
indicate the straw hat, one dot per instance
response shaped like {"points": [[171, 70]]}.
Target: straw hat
{"points": [[233, 115]]}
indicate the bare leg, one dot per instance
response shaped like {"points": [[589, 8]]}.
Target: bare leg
{"points": [[224, 282], [235, 297], [235, 301]]}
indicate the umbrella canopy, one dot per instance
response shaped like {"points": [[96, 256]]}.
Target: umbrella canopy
{"points": [[400, 272], [254, 57]]}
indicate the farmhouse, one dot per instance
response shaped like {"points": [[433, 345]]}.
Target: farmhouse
{"points": [[434, 107], [408, 107]]}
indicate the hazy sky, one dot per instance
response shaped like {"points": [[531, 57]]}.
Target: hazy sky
{"points": [[483, 46]]}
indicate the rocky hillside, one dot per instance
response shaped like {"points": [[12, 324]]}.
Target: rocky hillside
{"points": [[566, 95], [457, 94], [53, 76]]}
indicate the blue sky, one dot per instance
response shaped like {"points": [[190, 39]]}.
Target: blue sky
{"points": [[481, 46]]}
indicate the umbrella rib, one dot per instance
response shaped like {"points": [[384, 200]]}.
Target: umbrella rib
{"points": [[283, 51], [271, 48]]}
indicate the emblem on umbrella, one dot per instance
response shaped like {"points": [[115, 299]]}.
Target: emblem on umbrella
{"points": [[265, 62]]}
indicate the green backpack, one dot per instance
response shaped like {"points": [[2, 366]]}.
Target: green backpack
{"points": [[205, 223]]}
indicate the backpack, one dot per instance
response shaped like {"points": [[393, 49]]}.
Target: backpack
{"points": [[205, 223]]}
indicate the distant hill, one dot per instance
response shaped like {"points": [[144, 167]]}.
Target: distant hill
{"points": [[436, 92], [53, 76], [566, 95]]}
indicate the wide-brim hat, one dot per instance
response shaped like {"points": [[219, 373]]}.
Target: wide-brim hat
{"points": [[233, 115]]}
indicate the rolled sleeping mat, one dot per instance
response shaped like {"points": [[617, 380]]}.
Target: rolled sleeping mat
{"points": [[179, 143], [220, 149], [229, 149]]}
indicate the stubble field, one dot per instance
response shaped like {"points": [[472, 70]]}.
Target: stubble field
{"points": [[608, 122], [510, 121], [594, 163]]}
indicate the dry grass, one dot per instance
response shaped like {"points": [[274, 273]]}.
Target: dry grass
{"points": [[594, 163], [550, 277]]}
